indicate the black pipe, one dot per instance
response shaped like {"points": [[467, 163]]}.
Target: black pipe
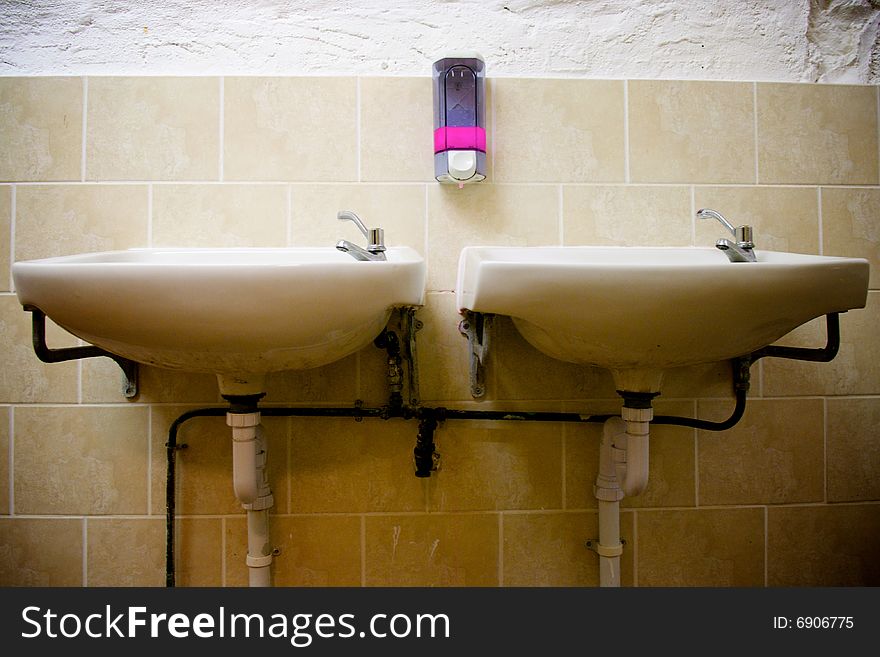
{"points": [[429, 417], [171, 448], [821, 355], [425, 450]]}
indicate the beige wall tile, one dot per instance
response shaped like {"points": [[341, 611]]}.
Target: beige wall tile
{"points": [[485, 214], [701, 547], [703, 380], [397, 129], [67, 219], [4, 461], [24, 378], [80, 460], [442, 351], [557, 130], [41, 552], [153, 128], [314, 551], [102, 383], [198, 551], [851, 225], [41, 128], [809, 133], [334, 382], [432, 550], [549, 549], [774, 455], [336, 465], [670, 465], [219, 215], [204, 468], [293, 128], [783, 218], [125, 552], [823, 545], [5, 225], [516, 370], [854, 371], [626, 216], [853, 450], [691, 131], [497, 465], [398, 209]]}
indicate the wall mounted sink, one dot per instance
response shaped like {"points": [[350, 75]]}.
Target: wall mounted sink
{"points": [[638, 311], [237, 313]]}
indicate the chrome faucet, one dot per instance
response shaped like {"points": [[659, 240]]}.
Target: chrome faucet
{"points": [[375, 239], [742, 250]]}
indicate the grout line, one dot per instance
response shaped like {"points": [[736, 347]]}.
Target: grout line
{"points": [[426, 226], [693, 215], [150, 461], [877, 124], [761, 379], [222, 551], [560, 214], [363, 551], [150, 215], [562, 477], [288, 219], [626, 174], [357, 124], [492, 135], [10, 466], [634, 549], [85, 552], [288, 458], [755, 119], [85, 114], [12, 221], [79, 382], [766, 541], [696, 460], [501, 549], [821, 221], [222, 121], [825, 450]]}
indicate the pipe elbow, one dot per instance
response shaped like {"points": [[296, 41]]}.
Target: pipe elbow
{"points": [[244, 465]]}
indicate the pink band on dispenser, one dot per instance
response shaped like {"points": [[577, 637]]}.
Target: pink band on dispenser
{"points": [[457, 137]]}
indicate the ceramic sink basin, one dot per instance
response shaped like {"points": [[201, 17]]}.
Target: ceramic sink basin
{"points": [[238, 313], [638, 311]]}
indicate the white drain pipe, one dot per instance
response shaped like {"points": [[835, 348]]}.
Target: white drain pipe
{"points": [[251, 484], [623, 470]]}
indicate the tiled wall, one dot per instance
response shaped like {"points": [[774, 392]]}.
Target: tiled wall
{"points": [[790, 496]]}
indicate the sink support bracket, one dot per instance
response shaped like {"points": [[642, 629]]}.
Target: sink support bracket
{"points": [[47, 355], [477, 328]]}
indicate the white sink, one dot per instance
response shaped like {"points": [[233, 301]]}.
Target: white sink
{"points": [[638, 311], [237, 313]]}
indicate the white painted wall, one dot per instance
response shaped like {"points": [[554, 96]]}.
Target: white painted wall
{"points": [[783, 40]]}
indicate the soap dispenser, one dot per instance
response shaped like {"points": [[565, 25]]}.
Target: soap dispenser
{"points": [[460, 118]]}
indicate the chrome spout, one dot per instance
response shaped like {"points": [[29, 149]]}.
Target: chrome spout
{"points": [[740, 250], [375, 239]]}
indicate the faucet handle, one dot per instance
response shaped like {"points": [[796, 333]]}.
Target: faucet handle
{"points": [[743, 236], [375, 236]]}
